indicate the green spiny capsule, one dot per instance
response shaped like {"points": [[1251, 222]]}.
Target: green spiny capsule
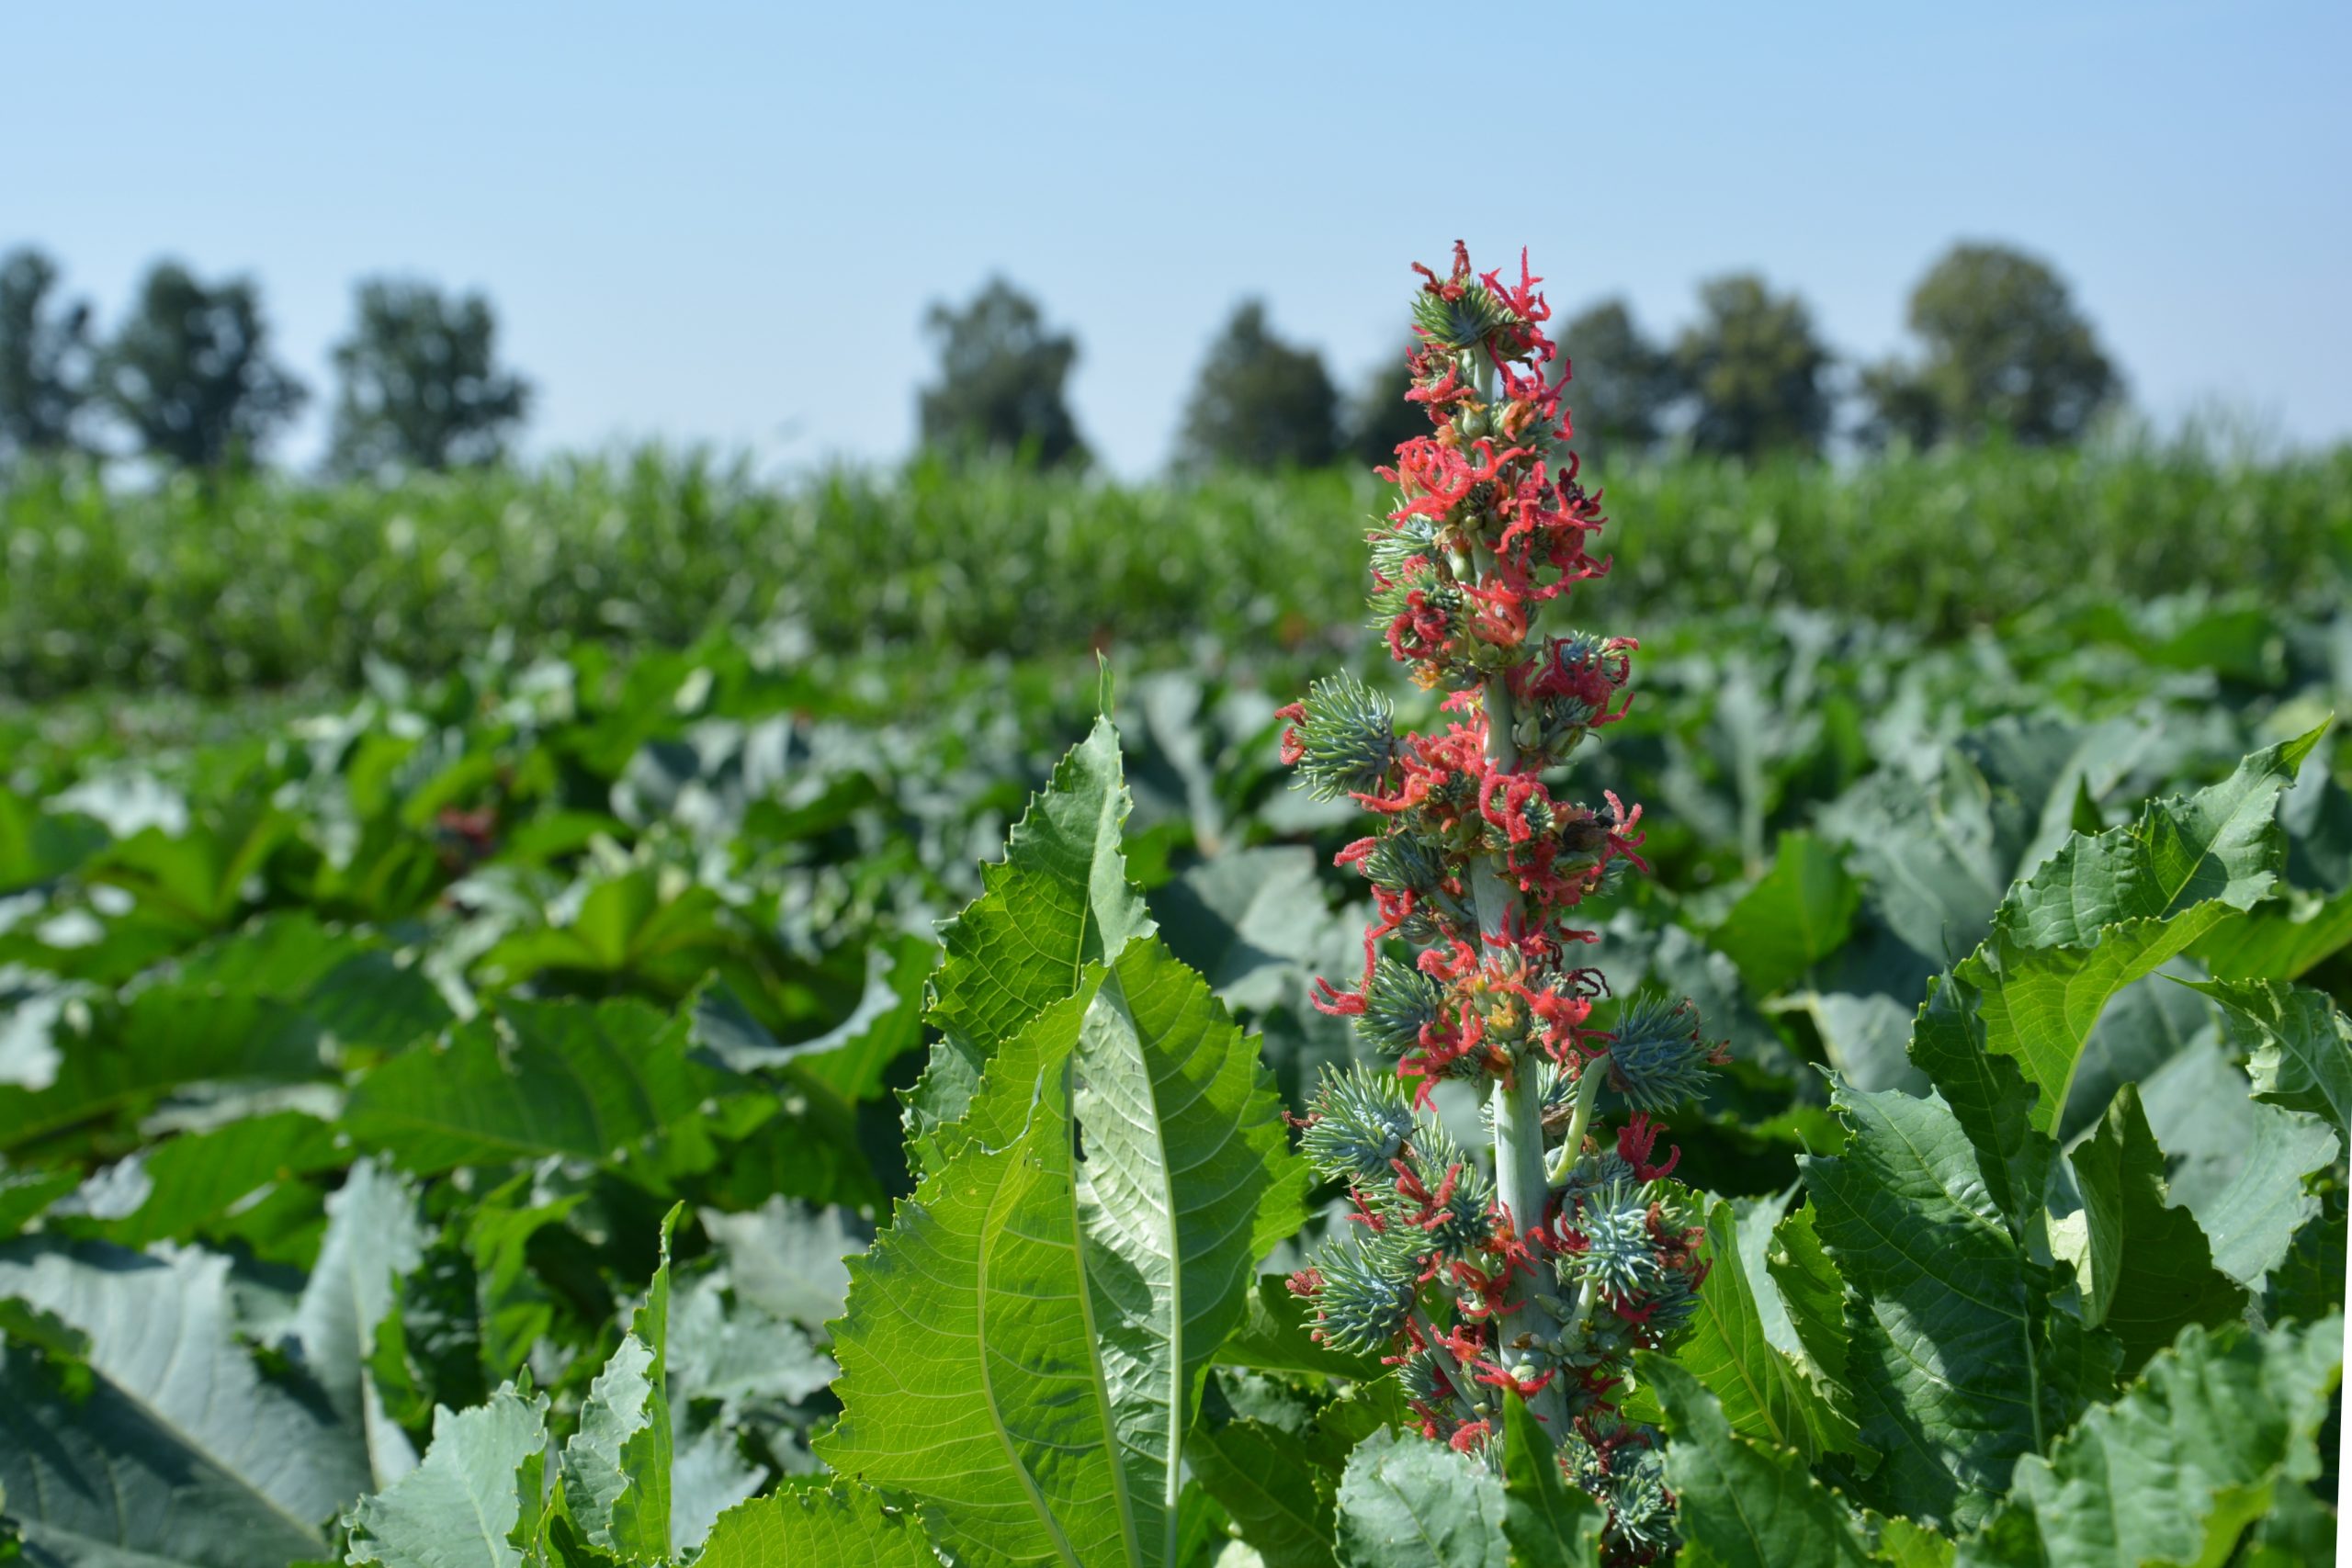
{"points": [[1361, 1122], [1367, 1289], [1398, 1004], [1641, 1511], [1346, 738], [1463, 322], [1656, 1057], [1618, 1255]]}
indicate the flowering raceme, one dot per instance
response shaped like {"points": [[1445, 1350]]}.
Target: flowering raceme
{"points": [[1579, 1249]]}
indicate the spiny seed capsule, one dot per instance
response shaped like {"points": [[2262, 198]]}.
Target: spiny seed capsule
{"points": [[1361, 1122], [1657, 1060], [1345, 737], [1398, 1004]]}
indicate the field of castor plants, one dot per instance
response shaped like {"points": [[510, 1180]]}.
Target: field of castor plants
{"points": [[625, 1015]]}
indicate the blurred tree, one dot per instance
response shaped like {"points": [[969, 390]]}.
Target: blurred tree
{"points": [[1623, 384], [1001, 379], [420, 388], [1757, 371], [190, 374], [1259, 402], [2005, 350], [44, 359], [1378, 420], [1897, 405]]}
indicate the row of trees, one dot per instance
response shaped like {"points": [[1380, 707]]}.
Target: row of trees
{"points": [[2001, 347], [188, 379]]}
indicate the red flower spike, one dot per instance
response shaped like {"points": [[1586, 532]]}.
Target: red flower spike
{"points": [[1491, 521]]}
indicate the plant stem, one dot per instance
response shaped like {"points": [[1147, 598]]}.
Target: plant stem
{"points": [[1521, 1184], [1579, 1123]]}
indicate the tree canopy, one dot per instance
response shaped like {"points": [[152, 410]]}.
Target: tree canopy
{"points": [[420, 385], [1624, 383], [1756, 368], [1259, 402], [44, 359], [1002, 383], [2006, 349], [190, 372]]}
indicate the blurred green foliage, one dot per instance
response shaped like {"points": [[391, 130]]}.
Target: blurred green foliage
{"points": [[262, 581]]}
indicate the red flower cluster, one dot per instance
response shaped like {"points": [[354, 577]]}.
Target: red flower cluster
{"points": [[1487, 525]]}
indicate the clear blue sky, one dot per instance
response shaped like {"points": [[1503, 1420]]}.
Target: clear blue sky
{"points": [[724, 221]]}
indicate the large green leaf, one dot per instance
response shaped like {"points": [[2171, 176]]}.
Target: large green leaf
{"points": [[1958, 1362], [615, 1472], [1021, 1347], [537, 1079], [1275, 1473], [1058, 901], [197, 1177], [788, 1258], [2284, 939], [1256, 923], [25, 1193], [2252, 1218], [2146, 1024], [1814, 1295], [848, 1059], [1549, 1523], [37, 845], [1799, 913], [2236, 1163], [1407, 1502], [1761, 1393], [841, 1526], [2220, 845], [373, 1238], [464, 1505], [2298, 1045], [2146, 1269], [1741, 1503], [1937, 852], [1991, 1099], [2104, 911], [182, 1450], [2176, 1469]]}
